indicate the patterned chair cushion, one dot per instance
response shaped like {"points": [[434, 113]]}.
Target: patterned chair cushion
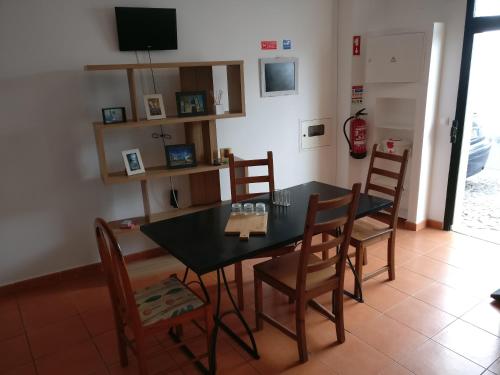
{"points": [[168, 299]]}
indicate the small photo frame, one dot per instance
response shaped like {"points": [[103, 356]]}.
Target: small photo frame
{"points": [[180, 156], [191, 103], [155, 109], [133, 162], [113, 115]]}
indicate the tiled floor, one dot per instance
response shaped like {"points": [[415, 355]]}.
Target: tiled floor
{"points": [[435, 318]]}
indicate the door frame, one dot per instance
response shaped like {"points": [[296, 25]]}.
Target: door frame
{"points": [[473, 25]]}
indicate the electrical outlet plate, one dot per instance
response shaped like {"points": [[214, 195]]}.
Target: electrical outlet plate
{"points": [[315, 133]]}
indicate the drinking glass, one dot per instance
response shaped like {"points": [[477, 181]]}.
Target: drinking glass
{"points": [[286, 198], [277, 197], [236, 209], [260, 208], [248, 208]]}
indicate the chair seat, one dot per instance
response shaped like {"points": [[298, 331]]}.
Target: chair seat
{"points": [[167, 299], [367, 229], [284, 270]]}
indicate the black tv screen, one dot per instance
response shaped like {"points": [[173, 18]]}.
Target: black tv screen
{"points": [[141, 29]]}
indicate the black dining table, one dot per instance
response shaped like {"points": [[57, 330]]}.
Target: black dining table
{"points": [[199, 242]]}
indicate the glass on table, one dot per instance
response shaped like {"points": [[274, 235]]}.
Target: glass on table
{"points": [[277, 197], [260, 208], [248, 208], [236, 209], [286, 198]]}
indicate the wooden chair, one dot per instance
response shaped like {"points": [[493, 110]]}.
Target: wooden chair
{"points": [[236, 196], [382, 225], [147, 311], [302, 275]]}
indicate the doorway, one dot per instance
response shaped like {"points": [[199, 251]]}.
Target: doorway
{"points": [[473, 197]]}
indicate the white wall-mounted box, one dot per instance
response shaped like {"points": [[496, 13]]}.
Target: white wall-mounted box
{"points": [[394, 58], [315, 133]]}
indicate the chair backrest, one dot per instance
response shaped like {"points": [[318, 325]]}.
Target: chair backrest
{"points": [[246, 180], [339, 229], [390, 216], [115, 270]]}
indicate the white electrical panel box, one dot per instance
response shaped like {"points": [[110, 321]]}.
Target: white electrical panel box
{"points": [[315, 133], [394, 58]]}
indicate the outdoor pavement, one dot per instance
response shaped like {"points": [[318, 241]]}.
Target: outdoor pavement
{"points": [[481, 206]]}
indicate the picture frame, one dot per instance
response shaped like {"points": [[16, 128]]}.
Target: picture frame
{"points": [[113, 115], [133, 162], [154, 107], [279, 76], [180, 156], [191, 103]]}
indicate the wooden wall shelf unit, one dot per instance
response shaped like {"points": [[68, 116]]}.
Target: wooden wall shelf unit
{"points": [[200, 130]]}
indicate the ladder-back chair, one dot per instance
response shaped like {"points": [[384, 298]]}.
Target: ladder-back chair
{"points": [[148, 311], [237, 196], [303, 276], [383, 225]]}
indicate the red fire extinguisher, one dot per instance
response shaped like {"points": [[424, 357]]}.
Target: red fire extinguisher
{"points": [[358, 137]]}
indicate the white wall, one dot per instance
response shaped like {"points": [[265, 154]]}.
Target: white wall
{"points": [[51, 190], [372, 16]]}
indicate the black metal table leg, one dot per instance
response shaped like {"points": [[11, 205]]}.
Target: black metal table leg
{"points": [[218, 323], [337, 233], [357, 286]]}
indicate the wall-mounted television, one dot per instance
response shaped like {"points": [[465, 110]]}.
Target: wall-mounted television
{"points": [[279, 76], [142, 29]]}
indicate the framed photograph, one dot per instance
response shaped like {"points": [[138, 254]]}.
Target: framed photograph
{"points": [[191, 103], [180, 156], [133, 162], [279, 76], [154, 107], [113, 115]]}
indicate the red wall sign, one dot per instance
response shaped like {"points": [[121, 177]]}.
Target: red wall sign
{"points": [[268, 44], [356, 45]]}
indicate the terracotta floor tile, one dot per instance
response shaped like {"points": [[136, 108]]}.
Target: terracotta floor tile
{"points": [[277, 351], [99, 321], [433, 269], [402, 255], [353, 357], [28, 369], [420, 316], [79, 359], [380, 296], [312, 367], [447, 299], [11, 324], [14, 353], [242, 369], [356, 313], [486, 316], [419, 244], [458, 257], [91, 299], [107, 346], [434, 359], [395, 369], [58, 336], [46, 309], [471, 342], [389, 336], [495, 367], [8, 301], [407, 281]]}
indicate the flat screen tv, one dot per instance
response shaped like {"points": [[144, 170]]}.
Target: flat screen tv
{"points": [[279, 76], [142, 29]]}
